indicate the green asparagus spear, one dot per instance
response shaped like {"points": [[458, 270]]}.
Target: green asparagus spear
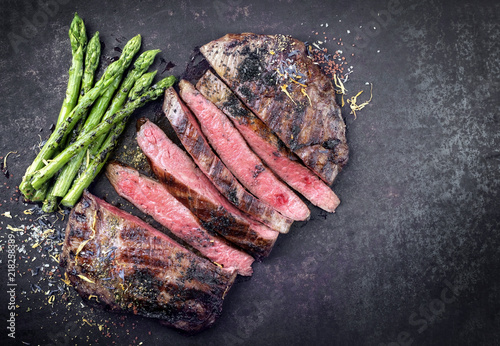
{"points": [[141, 65], [92, 57], [69, 171], [50, 202], [91, 62], [78, 40], [65, 127], [142, 85], [44, 174], [109, 143], [41, 194]]}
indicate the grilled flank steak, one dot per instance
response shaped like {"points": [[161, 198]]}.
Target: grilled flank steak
{"points": [[267, 145], [123, 264], [178, 173], [239, 158], [152, 198], [288, 92], [194, 141]]}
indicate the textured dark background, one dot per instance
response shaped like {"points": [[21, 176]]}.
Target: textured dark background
{"points": [[412, 254]]}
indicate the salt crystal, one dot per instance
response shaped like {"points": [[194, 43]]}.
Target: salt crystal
{"points": [[348, 31], [326, 25], [378, 51]]}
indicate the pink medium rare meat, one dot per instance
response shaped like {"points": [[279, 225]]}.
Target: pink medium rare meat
{"points": [[152, 198], [267, 145], [239, 158], [275, 78], [189, 132], [178, 173], [122, 264]]}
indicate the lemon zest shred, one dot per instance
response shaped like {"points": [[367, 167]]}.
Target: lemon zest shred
{"points": [[339, 85], [46, 232], [60, 212], [279, 73], [283, 88], [41, 141], [293, 80], [353, 102], [124, 288], [303, 90], [66, 279], [85, 320], [84, 278], [5, 158], [52, 298], [14, 229], [83, 243], [28, 211]]}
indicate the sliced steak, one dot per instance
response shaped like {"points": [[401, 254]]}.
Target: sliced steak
{"points": [[121, 263], [177, 171], [152, 198], [239, 158], [194, 141], [267, 145], [288, 92]]}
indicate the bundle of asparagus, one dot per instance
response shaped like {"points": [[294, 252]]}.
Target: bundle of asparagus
{"points": [[91, 118]]}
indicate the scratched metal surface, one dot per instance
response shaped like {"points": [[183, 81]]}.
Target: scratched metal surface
{"points": [[412, 254]]}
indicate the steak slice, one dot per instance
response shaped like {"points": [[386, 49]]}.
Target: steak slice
{"points": [[275, 78], [178, 173], [239, 158], [267, 145], [128, 266], [153, 199], [194, 141]]}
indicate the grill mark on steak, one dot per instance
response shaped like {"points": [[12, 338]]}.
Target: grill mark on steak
{"points": [[193, 140], [155, 277], [176, 170], [239, 158], [302, 126], [267, 145], [153, 198]]}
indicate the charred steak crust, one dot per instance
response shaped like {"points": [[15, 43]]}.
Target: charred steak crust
{"points": [[170, 164], [280, 84], [126, 265], [193, 140]]}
